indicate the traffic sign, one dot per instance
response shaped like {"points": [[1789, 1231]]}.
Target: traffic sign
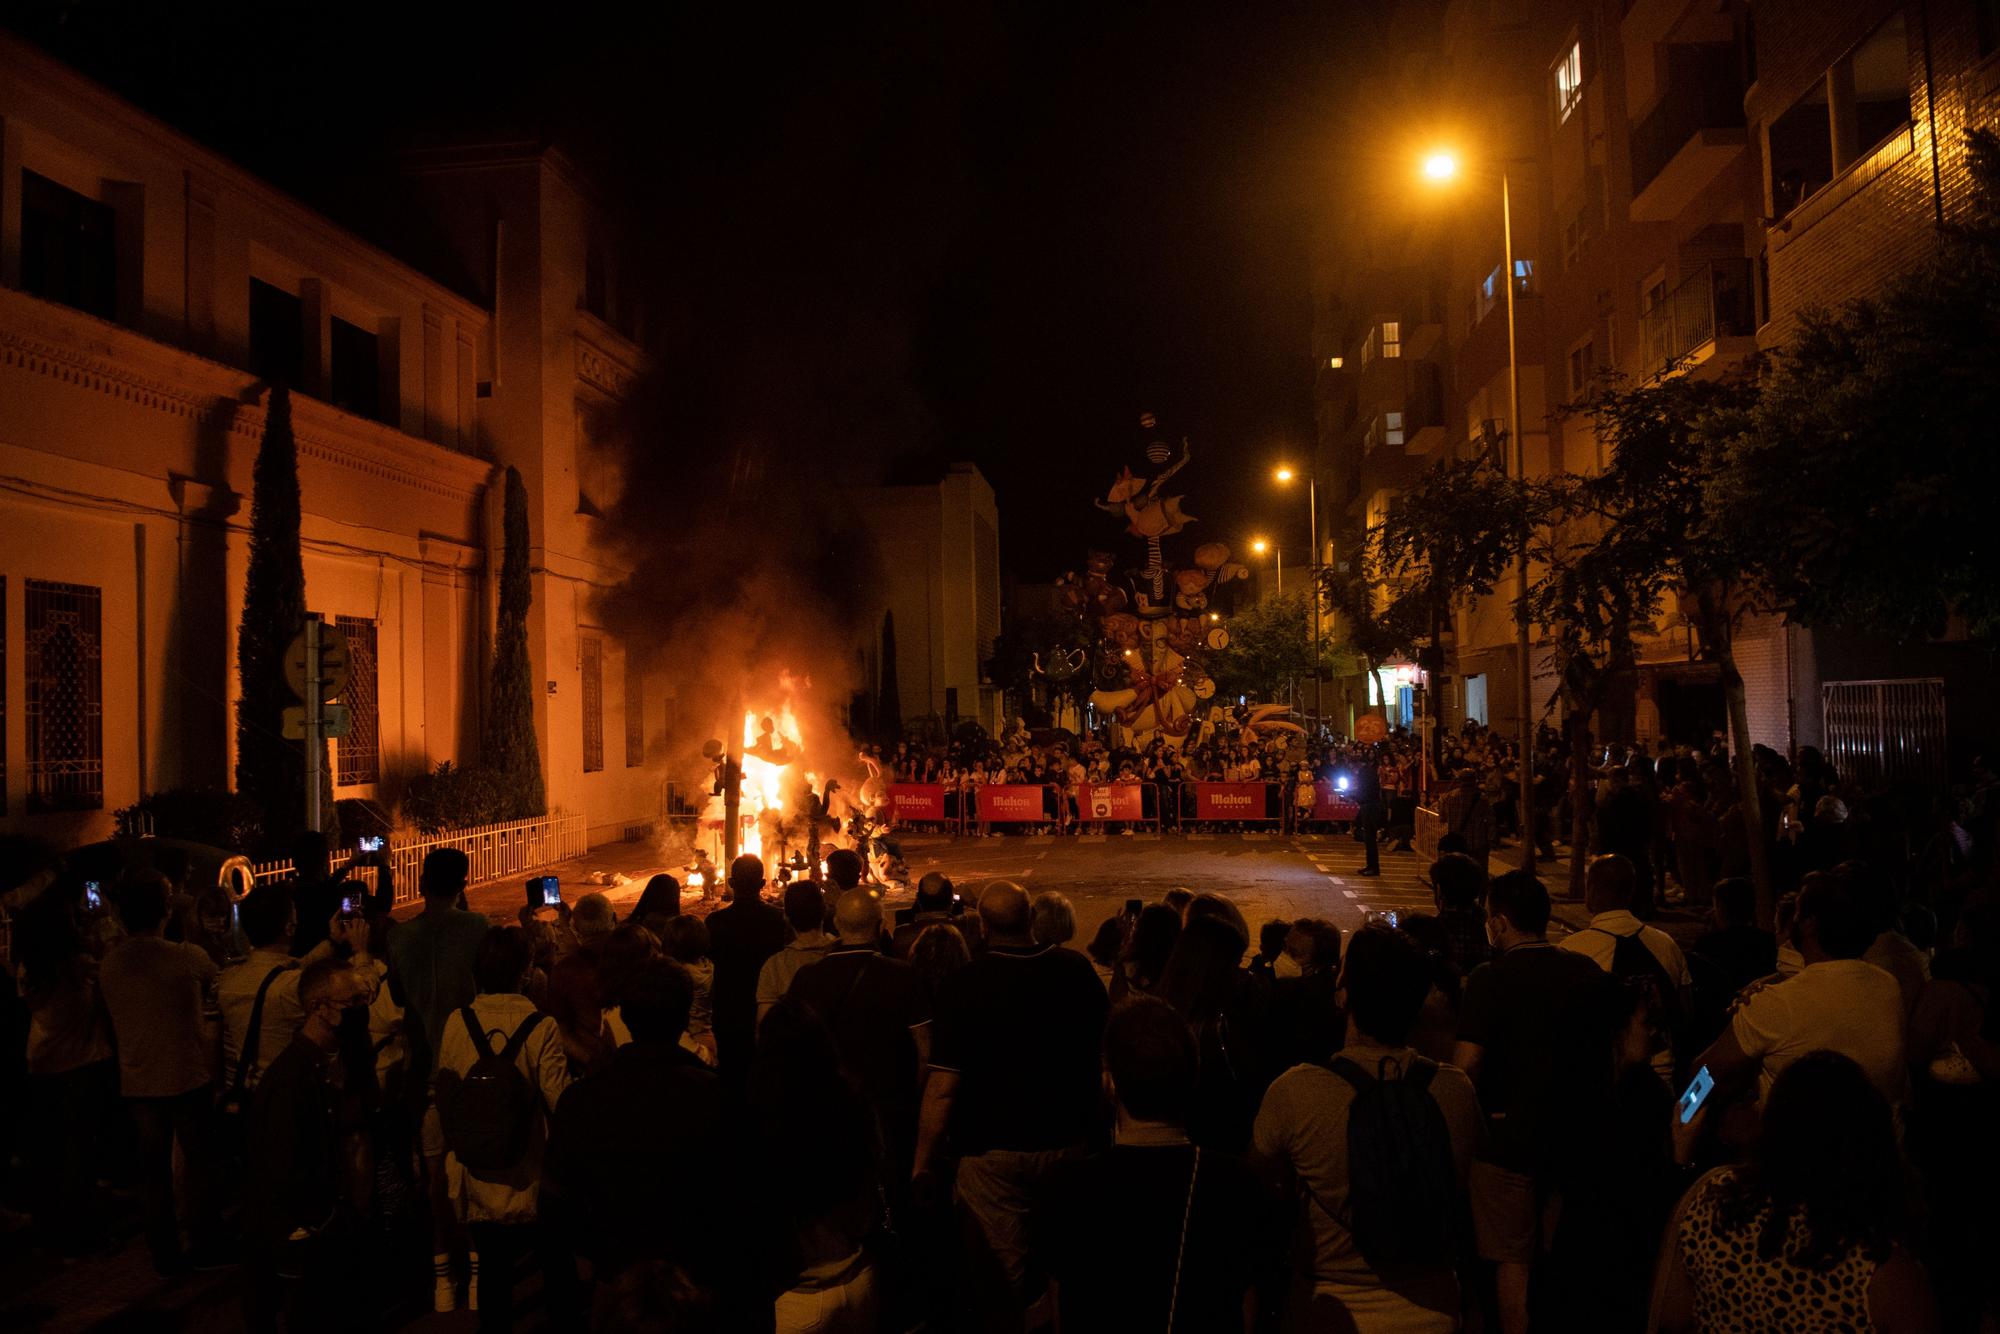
{"points": [[334, 720], [1370, 728], [334, 665]]}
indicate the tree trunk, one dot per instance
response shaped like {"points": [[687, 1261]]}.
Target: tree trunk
{"points": [[1723, 650], [1578, 724]]}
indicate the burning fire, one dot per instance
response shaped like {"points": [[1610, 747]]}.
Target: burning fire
{"points": [[776, 793], [771, 746]]}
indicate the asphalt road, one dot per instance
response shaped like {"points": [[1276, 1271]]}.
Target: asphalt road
{"points": [[1308, 875]]}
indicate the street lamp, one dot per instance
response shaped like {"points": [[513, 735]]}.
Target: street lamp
{"points": [[1283, 476], [1443, 166], [1260, 546]]}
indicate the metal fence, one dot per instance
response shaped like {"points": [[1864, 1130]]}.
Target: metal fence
{"points": [[495, 851], [1884, 732]]}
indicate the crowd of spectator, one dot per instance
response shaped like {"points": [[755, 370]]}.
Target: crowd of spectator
{"points": [[813, 1114]]}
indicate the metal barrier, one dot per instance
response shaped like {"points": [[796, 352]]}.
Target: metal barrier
{"points": [[1020, 803], [1124, 803], [1430, 828], [494, 852], [1234, 803]]}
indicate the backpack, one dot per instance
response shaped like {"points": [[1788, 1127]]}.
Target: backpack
{"points": [[1632, 962], [488, 1113], [1402, 1189]]}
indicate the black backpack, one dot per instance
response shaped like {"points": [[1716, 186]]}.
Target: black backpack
{"points": [[1633, 963], [1402, 1190], [488, 1114]]}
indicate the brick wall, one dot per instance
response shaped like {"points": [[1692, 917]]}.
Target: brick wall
{"points": [[1879, 215]]}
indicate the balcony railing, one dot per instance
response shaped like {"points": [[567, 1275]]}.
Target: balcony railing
{"points": [[1712, 302], [1704, 91]]}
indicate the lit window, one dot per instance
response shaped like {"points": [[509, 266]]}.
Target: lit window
{"points": [[1569, 81], [1392, 428], [1335, 362], [1524, 276], [1392, 339]]}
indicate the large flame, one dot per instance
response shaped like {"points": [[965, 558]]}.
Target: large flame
{"points": [[767, 756]]}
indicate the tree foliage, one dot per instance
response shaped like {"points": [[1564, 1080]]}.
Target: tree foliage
{"points": [[1863, 483], [270, 769], [508, 748], [1270, 646]]}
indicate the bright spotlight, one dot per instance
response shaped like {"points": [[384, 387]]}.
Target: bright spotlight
{"points": [[1441, 166]]}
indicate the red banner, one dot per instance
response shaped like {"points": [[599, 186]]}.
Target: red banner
{"points": [[1232, 801], [916, 801], [1330, 803], [1012, 803], [1111, 801]]}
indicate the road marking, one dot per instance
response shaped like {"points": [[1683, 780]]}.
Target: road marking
{"points": [[1350, 893]]}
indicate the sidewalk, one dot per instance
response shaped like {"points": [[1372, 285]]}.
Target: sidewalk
{"points": [[1683, 924]]}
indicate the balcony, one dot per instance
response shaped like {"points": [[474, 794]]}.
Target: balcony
{"points": [[1709, 316], [1692, 133]]}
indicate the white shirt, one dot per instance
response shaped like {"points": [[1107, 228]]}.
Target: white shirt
{"points": [[1843, 1005], [1599, 947]]}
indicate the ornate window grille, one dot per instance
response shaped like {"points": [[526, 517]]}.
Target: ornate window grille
{"points": [[65, 674], [357, 757], [593, 703]]}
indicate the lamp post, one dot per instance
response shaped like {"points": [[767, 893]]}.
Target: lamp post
{"points": [[1284, 476], [1441, 167]]}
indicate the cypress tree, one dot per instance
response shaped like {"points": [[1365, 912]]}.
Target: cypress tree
{"points": [[508, 747], [889, 708], [270, 769]]}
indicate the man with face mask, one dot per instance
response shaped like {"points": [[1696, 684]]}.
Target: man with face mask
{"points": [[292, 1233], [1512, 1042]]}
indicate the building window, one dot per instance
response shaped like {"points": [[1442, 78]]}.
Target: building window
{"points": [[357, 757], [356, 380], [1582, 363], [65, 672], [277, 335], [635, 710], [69, 247], [593, 703], [1569, 80], [1862, 101], [1384, 340], [1392, 428]]}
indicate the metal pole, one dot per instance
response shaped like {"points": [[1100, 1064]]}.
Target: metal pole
{"points": [[315, 746], [1526, 698], [1319, 670]]}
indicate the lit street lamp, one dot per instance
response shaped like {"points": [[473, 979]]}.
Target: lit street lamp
{"points": [[1283, 476], [1260, 546], [1442, 166]]}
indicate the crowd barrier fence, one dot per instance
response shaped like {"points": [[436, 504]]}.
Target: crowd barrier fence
{"points": [[494, 852]]}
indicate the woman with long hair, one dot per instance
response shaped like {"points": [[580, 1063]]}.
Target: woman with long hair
{"points": [[1811, 1233], [1144, 962]]}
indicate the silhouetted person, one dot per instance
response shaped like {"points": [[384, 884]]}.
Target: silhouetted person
{"points": [[742, 934]]}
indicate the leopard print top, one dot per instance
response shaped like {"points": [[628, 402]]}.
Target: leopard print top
{"points": [[1736, 1291]]}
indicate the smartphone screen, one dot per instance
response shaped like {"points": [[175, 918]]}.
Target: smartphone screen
{"points": [[93, 895], [349, 906], [371, 844], [1697, 1093], [551, 891]]}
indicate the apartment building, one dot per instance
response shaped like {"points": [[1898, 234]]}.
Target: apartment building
{"points": [[151, 291], [1685, 178]]}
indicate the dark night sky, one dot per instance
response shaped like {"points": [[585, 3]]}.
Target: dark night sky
{"points": [[937, 232]]}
